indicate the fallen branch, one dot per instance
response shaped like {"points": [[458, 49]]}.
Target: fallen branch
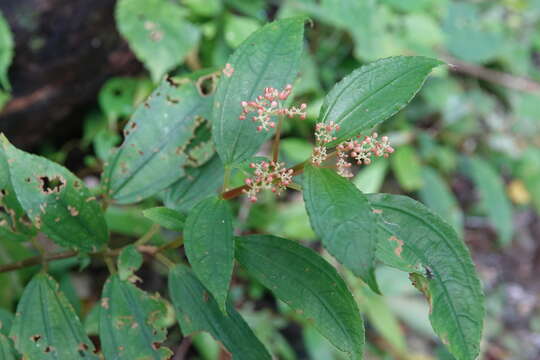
{"points": [[497, 77]]}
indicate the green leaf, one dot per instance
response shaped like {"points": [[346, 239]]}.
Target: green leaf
{"points": [[340, 214], [6, 349], [370, 179], [199, 183], [439, 197], [6, 52], [196, 310], [14, 215], [154, 151], [168, 218], [6, 318], [407, 168], [57, 202], [118, 96], [238, 28], [268, 58], [494, 200], [373, 93], [466, 37], [46, 326], [129, 261], [127, 323], [209, 245], [158, 33], [302, 279], [416, 240]]}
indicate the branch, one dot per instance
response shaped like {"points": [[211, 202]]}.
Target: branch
{"points": [[37, 260], [497, 77]]}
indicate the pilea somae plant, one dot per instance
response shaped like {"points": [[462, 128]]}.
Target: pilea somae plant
{"points": [[184, 147]]}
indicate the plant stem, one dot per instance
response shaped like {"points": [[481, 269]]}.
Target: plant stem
{"points": [[110, 253], [110, 263], [148, 236], [275, 145], [36, 260], [165, 260]]}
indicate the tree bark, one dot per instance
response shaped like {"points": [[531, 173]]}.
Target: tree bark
{"points": [[64, 51]]}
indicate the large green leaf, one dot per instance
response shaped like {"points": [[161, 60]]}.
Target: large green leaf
{"points": [[302, 279], [6, 52], [46, 326], [127, 323], [57, 202], [197, 311], [414, 239], [199, 183], [158, 33], [340, 214], [157, 142], [268, 58], [373, 93], [439, 197], [209, 245], [494, 200], [6, 349]]}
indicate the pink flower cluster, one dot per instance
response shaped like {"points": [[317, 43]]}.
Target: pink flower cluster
{"points": [[270, 104], [267, 175], [361, 152], [324, 134]]}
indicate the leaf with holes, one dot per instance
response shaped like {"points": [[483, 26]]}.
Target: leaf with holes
{"points": [[196, 310], [307, 283], [168, 218], [46, 326], [57, 202], [158, 33], [14, 215], [127, 323], [209, 245], [199, 183], [416, 240], [268, 58], [158, 141], [373, 93], [340, 214]]}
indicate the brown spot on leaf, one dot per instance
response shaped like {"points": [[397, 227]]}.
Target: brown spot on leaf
{"points": [[377, 211], [205, 296], [73, 211], [35, 338], [172, 100], [105, 302], [399, 247]]}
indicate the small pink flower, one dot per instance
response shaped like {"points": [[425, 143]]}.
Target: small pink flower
{"points": [[269, 105]]}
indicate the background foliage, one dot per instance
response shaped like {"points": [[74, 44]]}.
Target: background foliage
{"points": [[468, 148]]}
